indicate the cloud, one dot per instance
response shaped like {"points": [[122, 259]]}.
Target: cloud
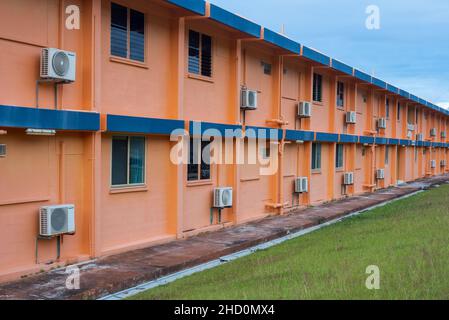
{"points": [[444, 105]]}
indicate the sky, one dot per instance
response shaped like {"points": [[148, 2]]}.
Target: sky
{"points": [[409, 50]]}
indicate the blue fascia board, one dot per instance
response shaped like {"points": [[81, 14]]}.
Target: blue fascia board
{"points": [[127, 124], [404, 94], [393, 141], [419, 143], [316, 56], [340, 66], [423, 102], [326, 137], [297, 135], [234, 21], [427, 144], [392, 88], [195, 6], [366, 139], [414, 98], [48, 119], [263, 133], [379, 83], [348, 138], [381, 140], [281, 41], [215, 129], [403, 142], [362, 76]]}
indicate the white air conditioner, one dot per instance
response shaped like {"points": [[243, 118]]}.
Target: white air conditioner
{"points": [[409, 134], [419, 137], [433, 132], [433, 164], [410, 127], [2, 150], [301, 185], [249, 99], [380, 174], [442, 163], [222, 198], [351, 117], [443, 134], [58, 65], [304, 109], [382, 123], [57, 220], [348, 178]]}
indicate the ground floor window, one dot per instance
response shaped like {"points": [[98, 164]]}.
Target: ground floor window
{"points": [[199, 160], [339, 156], [316, 156], [387, 154], [128, 160]]}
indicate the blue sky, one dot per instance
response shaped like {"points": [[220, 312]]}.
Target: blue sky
{"points": [[410, 50]]}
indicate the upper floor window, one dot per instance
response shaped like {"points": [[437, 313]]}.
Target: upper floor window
{"points": [[317, 87], [316, 156], [128, 161], [339, 156], [387, 108], [127, 33], [200, 54], [340, 94], [399, 112], [199, 160]]}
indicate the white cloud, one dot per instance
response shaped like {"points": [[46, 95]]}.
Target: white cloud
{"points": [[444, 105]]}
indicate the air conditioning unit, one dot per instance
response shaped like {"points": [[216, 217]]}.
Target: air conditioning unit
{"points": [[304, 109], [222, 198], [348, 178], [409, 134], [419, 137], [433, 132], [442, 163], [410, 127], [433, 164], [380, 174], [57, 220], [2, 150], [351, 117], [443, 134], [382, 123], [58, 65], [301, 185], [249, 99]]}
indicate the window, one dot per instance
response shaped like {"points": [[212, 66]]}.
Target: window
{"points": [[340, 94], [416, 115], [200, 54], [128, 160], [317, 87], [316, 156], [339, 156], [399, 111], [127, 33], [199, 169], [266, 68], [387, 154], [387, 108], [416, 154]]}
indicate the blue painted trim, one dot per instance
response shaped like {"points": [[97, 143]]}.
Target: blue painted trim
{"points": [[261, 132], [381, 140], [326, 137], [126, 124], [393, 141], [281, 41], [423, 102], [362, 75], [427, 144], [216, 129], [22, 117], [315, 56], [195, 6], [392, 88], [404, 94], [340, 66], [366, 139], [234, 21], [419, 143], [379, 83], [414, 98], [296, 135], [403, 142], [348, 138]]}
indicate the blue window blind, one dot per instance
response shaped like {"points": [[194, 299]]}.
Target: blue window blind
{"points": [[127, 33]]}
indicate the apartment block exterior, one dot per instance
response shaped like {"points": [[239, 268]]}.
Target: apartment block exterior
{"points": [[146, 68]]}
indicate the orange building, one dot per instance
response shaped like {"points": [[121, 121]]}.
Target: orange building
{"points": [[147, 68]]}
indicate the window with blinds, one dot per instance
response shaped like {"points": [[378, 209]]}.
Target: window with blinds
{"points": [[317, 87], [127, 33], [200, 54]]}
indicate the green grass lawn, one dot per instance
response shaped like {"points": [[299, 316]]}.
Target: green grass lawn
{"points": [[408, 240]]}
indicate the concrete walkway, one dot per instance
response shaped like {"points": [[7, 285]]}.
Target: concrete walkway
{"points": [[122, 271]]}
